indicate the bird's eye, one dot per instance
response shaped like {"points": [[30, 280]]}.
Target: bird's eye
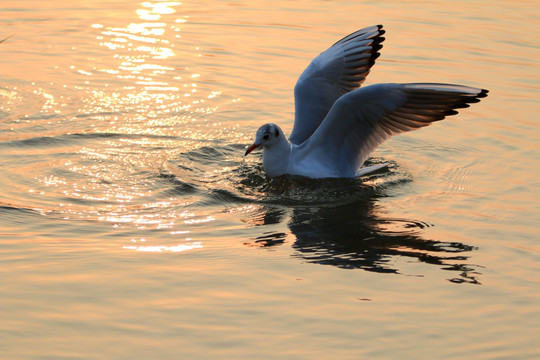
{"points": [[276, 134], [265, 137]]}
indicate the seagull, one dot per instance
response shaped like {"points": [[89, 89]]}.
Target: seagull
{"points": [[338, 123]]}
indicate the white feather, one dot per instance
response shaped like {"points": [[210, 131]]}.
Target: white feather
{"points": [[338, 70], [338, 125]]}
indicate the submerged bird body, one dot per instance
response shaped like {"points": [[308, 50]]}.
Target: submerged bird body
{"points": [[338, 124]]}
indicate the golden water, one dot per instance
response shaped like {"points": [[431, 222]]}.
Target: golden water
{"points": [[131, 226]]}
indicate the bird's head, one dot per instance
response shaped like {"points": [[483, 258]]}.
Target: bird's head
{"points": [[267, 136]]}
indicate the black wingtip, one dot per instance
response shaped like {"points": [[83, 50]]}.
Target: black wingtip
{"points": [[452, 112], [381, 32], [483, 93]]}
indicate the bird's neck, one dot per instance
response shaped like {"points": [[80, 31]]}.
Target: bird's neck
{"points": [[276, 157]]}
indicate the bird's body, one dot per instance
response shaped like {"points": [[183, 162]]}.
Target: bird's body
{"points": [[338, 124]]}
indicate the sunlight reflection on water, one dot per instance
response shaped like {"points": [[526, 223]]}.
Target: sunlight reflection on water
{"points": [[162, 248]]}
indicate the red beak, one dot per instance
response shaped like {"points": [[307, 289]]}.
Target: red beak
{"points": [[251, 148]]}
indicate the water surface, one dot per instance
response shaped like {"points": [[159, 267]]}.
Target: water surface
{"points": [[131, 225]]}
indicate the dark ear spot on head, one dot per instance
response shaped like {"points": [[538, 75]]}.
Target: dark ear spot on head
{"points": [[277, 133]]}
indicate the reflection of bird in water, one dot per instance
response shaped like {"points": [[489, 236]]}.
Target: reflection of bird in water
{"points": [[353, 236], [338, 124]]}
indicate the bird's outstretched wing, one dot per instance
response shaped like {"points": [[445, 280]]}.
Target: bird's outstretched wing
{"points": [[340, 69], [362, 119]]}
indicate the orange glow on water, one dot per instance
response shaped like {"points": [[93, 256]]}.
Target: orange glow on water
{"points": [[133, 218]]}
